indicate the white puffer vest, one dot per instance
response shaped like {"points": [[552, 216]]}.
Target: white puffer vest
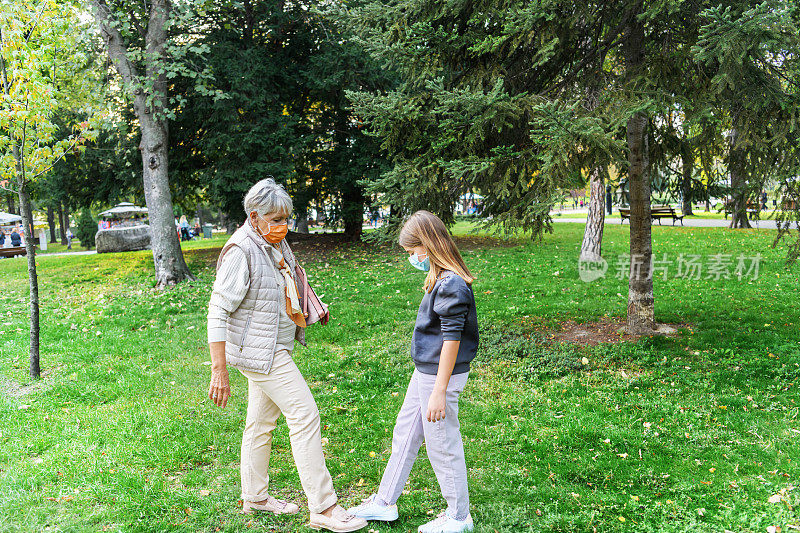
{"points": [[253, 327]]}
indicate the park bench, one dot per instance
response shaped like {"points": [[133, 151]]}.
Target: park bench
{"points": [[753, 209], [657, 212], [14, 251]]}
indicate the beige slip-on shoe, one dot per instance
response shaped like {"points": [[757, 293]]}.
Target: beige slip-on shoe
{"points": [[340, 521], [273, 505]]}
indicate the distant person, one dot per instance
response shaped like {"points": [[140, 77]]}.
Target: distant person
{"points": [[16, 240], [70, 236], [764, 200], [184, 225], [197, 230]]}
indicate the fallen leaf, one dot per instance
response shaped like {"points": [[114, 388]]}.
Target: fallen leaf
{"points": [[775, 498], [205, 492]]}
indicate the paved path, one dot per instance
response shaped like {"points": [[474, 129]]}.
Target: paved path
{"points": [[692, 223], [61, 254]]}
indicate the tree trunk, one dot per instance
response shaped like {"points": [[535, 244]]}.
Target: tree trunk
{"points": [[11, 207], [30, 250], [62, 226], [641, 302], [352, 191], [687, 157], [738, 183], [591, 249], [199, 213], [170, 266], [33, 281], [302, 224], [353, 211], [51, 223]]}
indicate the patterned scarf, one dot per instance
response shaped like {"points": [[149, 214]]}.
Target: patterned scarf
{"points": [[292, 296]]}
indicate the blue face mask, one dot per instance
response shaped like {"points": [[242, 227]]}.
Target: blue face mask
{"points": [[424, 265]]}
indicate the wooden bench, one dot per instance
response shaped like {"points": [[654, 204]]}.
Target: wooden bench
{"points": [[753, 209], [14, 251], [657, 212]]}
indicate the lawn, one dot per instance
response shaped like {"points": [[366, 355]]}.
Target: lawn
{"points": [[699, 214], [697, 432]]}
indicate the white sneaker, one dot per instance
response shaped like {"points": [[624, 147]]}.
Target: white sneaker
{"points": [[444, 523], [372, 510]]}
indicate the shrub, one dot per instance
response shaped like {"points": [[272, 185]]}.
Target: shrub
{"points": [[86, 229], [530, 355]]}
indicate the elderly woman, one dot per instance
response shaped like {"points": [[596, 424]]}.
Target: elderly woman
{"points": [[254, 317]]}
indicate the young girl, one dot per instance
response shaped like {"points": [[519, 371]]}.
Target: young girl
{"points": [[445, 341]]}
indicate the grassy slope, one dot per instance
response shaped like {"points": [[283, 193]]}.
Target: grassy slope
{"points": [[686, 434]]}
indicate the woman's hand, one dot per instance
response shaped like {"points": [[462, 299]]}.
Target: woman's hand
{"points": [[436, 406], [219, 390]]}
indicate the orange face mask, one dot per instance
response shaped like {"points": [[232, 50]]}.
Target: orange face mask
{"points": [[276, 232]]}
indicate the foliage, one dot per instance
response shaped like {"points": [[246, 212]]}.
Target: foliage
{"points": [[107, 171], [472, 111], [529, 355], [44, 68], [283, 72], [86, 229]]}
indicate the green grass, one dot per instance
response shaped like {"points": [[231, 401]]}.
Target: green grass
{"points": [[692, 433], [699, 214]]}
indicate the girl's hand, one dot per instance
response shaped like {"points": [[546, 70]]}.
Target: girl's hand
{"points": [[436, 406], [219, 390]]}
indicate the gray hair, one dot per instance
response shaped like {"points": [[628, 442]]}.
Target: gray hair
{"points": [[266, 197]]}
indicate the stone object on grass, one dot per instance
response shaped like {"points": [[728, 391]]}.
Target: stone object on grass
{"points": [[123, 239]]}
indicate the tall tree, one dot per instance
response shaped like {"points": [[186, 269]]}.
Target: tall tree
{"points": [[137, 38], [640, 285], [284, 70], [750, 50], [42, 66], [492, 96]]}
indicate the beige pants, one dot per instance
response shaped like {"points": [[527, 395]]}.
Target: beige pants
{"points": [[284, 390]]}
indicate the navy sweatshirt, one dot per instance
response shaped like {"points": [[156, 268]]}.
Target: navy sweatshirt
{"points": [[446, 313]]}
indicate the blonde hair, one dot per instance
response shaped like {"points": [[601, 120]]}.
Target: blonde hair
{"points": [[425, 229]]}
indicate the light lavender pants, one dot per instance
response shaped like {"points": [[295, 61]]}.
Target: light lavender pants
{"points": [[442, 442]]}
